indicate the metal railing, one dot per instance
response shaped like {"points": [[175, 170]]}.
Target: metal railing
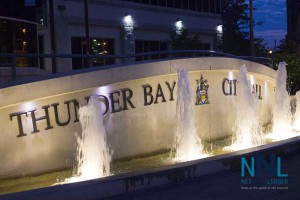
{"points": [[173, 54]]}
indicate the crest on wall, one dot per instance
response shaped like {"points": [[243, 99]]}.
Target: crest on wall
{"points": [[202, 91]]}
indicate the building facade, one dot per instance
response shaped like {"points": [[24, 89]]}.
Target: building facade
{"points": [[116, 27]]}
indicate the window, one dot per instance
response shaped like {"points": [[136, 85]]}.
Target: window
{"points": [[5, 41], [178, 4], [18, 37], [99, 46], [218, 6], [77, 48], [211, 6], [205, 46], [205, 5], [142, 46], [24, 9], [185, 4], [192, 4], [199, 5], [41, 50], [162, 2], [102, 46], [170, 3], [153, 2]]}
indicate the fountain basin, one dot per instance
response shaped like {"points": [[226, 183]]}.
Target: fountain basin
{"points": [[122, 183]]}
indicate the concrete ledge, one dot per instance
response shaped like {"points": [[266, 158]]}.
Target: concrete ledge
{"points": [[58, 84], [122, 183]]}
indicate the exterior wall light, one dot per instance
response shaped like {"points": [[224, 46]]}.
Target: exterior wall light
{"points": [[128, 23], [179, 27], [220, 29], [129, 41]]}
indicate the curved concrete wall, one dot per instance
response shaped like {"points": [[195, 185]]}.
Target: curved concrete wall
{"points": [[39, 119]]}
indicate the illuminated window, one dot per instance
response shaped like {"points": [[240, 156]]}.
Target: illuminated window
{"points": [[18, 37], [99, 46]]}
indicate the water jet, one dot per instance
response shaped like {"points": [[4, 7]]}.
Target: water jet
{"points": [[138, 106]]}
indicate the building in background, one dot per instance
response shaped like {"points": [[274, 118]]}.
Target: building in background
{"points": [[116, 27], [293, 22], [19, 22]]}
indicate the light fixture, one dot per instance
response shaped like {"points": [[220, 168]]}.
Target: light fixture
{"points": [[220, 28], [128, 23], [179, 26], [128, 20]]}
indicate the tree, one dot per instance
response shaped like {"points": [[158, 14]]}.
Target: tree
{"points": [[288, 52], [236, 29], [235, 22], [184, 40]]}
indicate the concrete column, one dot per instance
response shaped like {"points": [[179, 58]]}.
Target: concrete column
{"points": [[63, 38], [129, 41]]}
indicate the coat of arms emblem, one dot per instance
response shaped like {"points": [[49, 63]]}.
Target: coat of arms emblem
{"points": [[201, 92]]}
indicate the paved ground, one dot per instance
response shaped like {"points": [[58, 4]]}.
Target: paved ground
{"points": [[223, 186]]}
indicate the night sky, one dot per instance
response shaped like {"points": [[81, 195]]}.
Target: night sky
{"points": [[273, 15]]}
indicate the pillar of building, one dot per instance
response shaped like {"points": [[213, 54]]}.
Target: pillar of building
{"points": [[129, 41]]}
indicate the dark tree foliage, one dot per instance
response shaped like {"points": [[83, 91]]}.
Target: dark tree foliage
{"points": [[236, 29], [235, 23], [288, 52], [184, 41]]}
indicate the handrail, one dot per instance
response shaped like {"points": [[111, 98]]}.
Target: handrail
{"points": [[177, 53], [33, 55]]}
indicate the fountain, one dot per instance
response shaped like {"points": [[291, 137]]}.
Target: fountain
{"points": [[247, 130], [128, 100], [296, 123], [282, 119], [187, 145], [93, 154]]}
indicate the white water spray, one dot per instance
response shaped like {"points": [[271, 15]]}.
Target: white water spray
{"points": [[296, 124], [93, 155], [247, 132], [282, 119], [187, 144]]}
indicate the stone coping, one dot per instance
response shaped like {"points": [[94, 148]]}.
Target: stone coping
{"points": [[68, 82]]}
